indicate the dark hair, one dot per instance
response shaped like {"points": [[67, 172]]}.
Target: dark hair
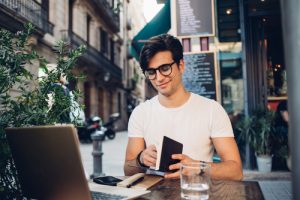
{"points": [[164, 42]]}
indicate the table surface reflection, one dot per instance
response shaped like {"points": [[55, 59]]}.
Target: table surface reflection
{"points": [[170, 189]]}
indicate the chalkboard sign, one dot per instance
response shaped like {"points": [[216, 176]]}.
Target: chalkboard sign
{"points": [[195, 17], [200, 74]]}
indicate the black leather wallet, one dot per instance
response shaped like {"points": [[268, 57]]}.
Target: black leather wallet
{"points": [[107, 180], [169, 147]]}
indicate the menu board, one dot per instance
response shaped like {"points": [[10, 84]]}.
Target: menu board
{"points": [[200, 74], [194, 17]]}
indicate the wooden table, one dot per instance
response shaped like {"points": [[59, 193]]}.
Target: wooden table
{"points": [[170, 189]]}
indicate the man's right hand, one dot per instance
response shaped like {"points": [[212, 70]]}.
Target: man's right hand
{"points": [[148, 156], [135, 146]]}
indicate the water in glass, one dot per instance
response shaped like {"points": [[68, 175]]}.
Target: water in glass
{"points": [[195, 191]]}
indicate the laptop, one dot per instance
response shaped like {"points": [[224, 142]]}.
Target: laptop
{"points": [[49, 165]]}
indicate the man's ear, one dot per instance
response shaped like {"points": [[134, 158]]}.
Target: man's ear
{"points": [[181, 66]]}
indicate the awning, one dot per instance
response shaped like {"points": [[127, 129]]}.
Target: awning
{"points": [[160, 24]]}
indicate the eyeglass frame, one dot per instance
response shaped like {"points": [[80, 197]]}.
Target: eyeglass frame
{"points": [[159, 68]]}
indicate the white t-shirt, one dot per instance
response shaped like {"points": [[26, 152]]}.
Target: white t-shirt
{"points": [[193, 124]]}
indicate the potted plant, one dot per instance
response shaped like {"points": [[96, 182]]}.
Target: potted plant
{"points": [[258, 130]]}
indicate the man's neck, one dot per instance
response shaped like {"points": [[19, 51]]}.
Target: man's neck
{"points": [[175, 100]]}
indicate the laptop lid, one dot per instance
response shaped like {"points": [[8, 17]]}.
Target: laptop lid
{"points": [[48, 162], [49, 165]]}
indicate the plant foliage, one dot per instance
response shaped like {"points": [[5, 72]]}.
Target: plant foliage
{"points": [[258, 130], [30, 104]]}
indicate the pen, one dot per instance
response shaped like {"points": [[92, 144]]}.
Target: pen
{"points": [[135, 182]]}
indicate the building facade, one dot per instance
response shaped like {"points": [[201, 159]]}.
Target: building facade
{"points": [[101, 25], [134, 21]]}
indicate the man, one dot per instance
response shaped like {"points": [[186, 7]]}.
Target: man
{"points": [[197, 122], [281, 127], [282, 115]]}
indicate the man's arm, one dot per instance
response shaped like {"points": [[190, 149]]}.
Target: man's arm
{"points": [[229, 169], [134, 147], [147, 156], [285, 115]]}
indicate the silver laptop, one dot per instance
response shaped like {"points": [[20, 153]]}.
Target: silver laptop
{"points": [[49, 165]]}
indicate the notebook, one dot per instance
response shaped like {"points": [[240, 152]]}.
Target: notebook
{"points": [[49, 165], [140, 181]]}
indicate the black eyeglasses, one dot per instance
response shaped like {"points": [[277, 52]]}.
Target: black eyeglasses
{"points": [[165, 70]]}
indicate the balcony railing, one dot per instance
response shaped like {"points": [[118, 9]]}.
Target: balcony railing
{"points": [[30, 11], [110, 16], [93, 55]]}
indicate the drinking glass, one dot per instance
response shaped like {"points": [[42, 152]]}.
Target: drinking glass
{"points": [[195, 180]]}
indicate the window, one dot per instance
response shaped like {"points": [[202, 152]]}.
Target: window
{"points": [[104, 41], [87, 98], [88, 26], [112, 51], [119, 102], [71, 3], [228, 21], [232, 81], [45, 9]]}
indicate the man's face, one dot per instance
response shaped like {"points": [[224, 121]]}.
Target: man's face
{"points": [[166, 85]]}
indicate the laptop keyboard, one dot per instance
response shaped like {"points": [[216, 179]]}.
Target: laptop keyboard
{"points": [[106, 196]]}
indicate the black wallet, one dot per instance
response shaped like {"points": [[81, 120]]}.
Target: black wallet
{"points": [[107, 180], [169, 147]]}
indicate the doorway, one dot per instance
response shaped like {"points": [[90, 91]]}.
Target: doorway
{"points": [[264, 54]]}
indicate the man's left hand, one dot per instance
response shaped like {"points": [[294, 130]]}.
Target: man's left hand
{"points": [[183, 159]]}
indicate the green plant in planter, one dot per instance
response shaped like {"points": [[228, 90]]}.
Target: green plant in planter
{"points": [[31, 105], [258, 130]]}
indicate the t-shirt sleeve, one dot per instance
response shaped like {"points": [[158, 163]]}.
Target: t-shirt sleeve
{"points": [[220, 122], [136, 122]]}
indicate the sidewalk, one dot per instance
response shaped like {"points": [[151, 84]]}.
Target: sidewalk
{"points": [[113, 157], [274, 185]]}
